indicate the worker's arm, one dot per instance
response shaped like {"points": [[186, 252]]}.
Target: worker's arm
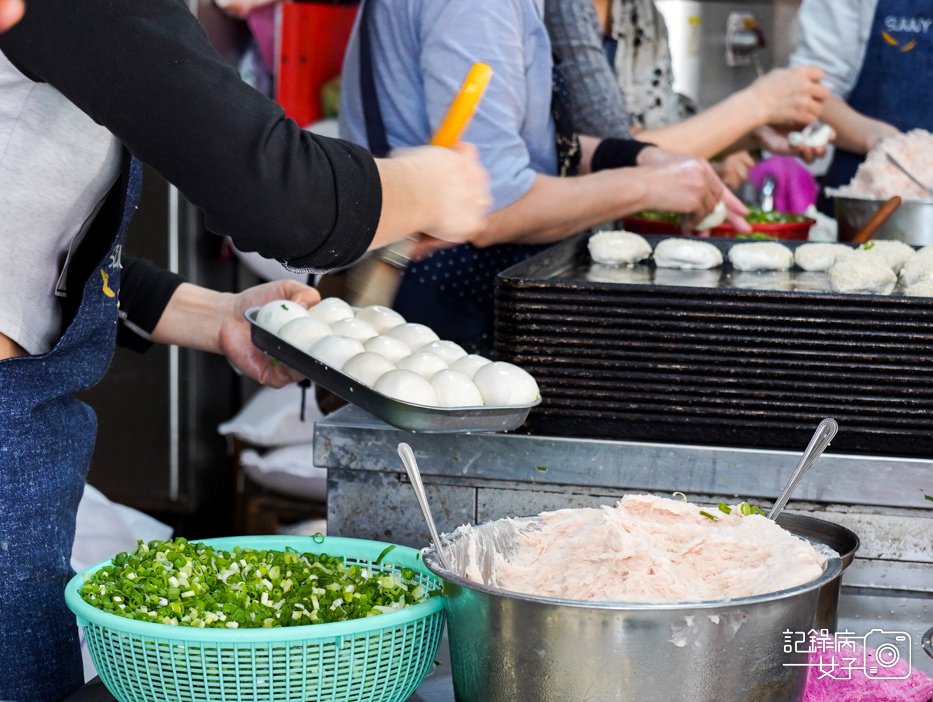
{"points": [[557, 207], [854, 131], [791, 97], [146, 71]]}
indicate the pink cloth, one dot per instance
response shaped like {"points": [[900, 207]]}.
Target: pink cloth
{"points": [[261, 23], [825, 681], [795, 189]]}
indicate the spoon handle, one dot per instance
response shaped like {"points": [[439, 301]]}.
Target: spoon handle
{"points": [[821, 437], [414, 475]]}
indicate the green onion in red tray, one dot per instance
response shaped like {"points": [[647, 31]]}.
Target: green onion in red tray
{"points": [[189, 584]]}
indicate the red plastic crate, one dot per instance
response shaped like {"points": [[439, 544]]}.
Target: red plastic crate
{"points": [[312, 39]]}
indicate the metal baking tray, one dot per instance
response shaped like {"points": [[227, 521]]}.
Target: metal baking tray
{"points": [[403, 415]]}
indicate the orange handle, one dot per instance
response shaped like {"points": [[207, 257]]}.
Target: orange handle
{"points": [[464, 105]]}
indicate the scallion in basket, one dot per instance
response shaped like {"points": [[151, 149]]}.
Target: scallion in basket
{"points": [[190, 584]]}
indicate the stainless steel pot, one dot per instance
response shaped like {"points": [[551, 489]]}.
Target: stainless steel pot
{"points": [[842, 541], [509, 647], [911, 223]]}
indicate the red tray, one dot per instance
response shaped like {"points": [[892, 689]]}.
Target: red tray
{"points": [[779, 230]]}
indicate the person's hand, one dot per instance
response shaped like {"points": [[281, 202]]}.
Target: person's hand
{"points": [[234, 334], [11, 11], [687, 185], [734, 168], [776, 141], [453, 188], [790, 96]]}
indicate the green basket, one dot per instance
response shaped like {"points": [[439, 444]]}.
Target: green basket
{"points": [[381, 658]]}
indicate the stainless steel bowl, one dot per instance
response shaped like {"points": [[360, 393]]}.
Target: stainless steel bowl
{"points": [[508, 646], [911, 223], [843, 541]]}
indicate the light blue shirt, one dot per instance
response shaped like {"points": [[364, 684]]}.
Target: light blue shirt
{"points": [[422, 50]]}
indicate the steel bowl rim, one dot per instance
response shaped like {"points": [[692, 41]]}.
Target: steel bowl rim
{"points": [[831, 571], [835, 194]]}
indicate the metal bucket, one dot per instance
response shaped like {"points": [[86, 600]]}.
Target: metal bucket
{"points": [[508, 646], [843, 541], [911, 223]]}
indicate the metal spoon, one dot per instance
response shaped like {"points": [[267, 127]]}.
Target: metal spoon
{"points": [[414, 475], [902, 169], [821, 437]]}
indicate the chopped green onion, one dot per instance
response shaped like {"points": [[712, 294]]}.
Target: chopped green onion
{"points": [[318, 538], [928, 497], [868, 245], [708, 515], [723, 507], [385, 552], [680, 495], [541, 469], [745, 508], [183, 584]]}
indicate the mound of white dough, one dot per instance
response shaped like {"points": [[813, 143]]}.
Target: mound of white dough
{"points": [[645, 549]]}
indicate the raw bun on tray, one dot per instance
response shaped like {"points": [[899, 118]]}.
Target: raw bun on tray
{"points": [[304, 332], [687, 254], [274, 315], [505, 384], [468, 365], [335, 351], [862, 274], [388, 346], [414, 335], [618, 248], [714, 218], [817, 258], [447, 350], [367, 367], [454, 389], [382, 319], [331, 310], [423, 363], [355, 329], [761, 256], [408, 387]]}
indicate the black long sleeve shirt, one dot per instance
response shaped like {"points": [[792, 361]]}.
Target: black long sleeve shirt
{"points": [[145, 70]]}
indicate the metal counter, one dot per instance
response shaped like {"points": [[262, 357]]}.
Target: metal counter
{"points": [[478, 477]]}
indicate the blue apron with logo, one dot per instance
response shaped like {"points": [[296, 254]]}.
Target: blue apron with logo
{"points": [[894, 83], [46, 442]]}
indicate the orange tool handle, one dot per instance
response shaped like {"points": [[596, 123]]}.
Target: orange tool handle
{"points": [[464, 105]]}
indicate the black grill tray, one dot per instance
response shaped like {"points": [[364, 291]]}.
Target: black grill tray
{"points": [[721, 364]]}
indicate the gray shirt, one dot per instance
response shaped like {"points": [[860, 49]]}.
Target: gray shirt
{"points": [[56, 166]]}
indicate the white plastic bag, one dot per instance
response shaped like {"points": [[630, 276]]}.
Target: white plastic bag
{"points": [[272, 417], [290, 471]]}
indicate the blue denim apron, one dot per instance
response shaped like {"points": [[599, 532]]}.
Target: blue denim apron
{"points": [[894, 83], [46, 442]]}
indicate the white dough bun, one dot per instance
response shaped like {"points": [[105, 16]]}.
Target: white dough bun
{"points": [[686, 254], [761, 256], [618, 248]]}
